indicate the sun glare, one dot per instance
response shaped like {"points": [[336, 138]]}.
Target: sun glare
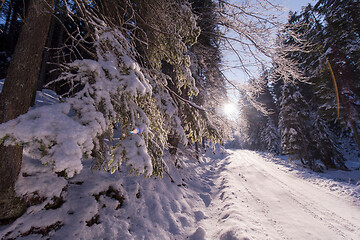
{"points": [[230, 110]]}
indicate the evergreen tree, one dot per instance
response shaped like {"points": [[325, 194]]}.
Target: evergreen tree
{"points": [[332, 60], [270, 136], [261, 116], [251, 125], [294, 124], [206, 64], [133, 95], [318, 62], [325, 148]]}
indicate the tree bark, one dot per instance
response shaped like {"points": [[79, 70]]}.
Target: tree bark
{"points": [[356, 134], [15, 99], [8, 17], [12, 28]]}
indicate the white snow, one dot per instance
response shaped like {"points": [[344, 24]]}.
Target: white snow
{"points": [[231, 195], [111, 90], [258, 199], [51, 124]]}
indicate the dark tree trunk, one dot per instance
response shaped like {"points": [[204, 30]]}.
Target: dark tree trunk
{"points": [[8, 17], [356, 133], [46, 57], [13, 29], [53, 55], [197, 151], [16, 96], [173, 140]]}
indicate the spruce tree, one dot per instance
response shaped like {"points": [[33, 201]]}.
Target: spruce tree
{"points": [[294, 124], [205, 67], [325, 147], [341, 49], [270, 136], [329, 72], [130, 93]]}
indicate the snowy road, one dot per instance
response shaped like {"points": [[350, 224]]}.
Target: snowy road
{"points": [[254, 199], [232, 195]]}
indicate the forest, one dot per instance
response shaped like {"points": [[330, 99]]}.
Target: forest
{"points": [[309, 117], [136, 88]]}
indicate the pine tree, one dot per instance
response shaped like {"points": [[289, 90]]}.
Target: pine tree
{"points": [[326, 148], [319, 64], [270, 136], [251, 124], [132, 93], [341, 49], [206, 64], [294, 124]]}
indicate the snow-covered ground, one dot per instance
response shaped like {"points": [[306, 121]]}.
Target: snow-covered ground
{"points": [[231, 195], [258, 199]]}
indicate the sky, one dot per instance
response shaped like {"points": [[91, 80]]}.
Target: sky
{"points": [[295, 5], [290, 5]]}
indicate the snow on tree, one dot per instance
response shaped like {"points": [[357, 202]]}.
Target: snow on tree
{"points": [[251, 125], [121, 109], [113, 95], [270, 136], [331, 60], [326, 149], [294, 124], [205, 67]]}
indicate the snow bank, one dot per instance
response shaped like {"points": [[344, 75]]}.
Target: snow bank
{"points": [[99, 205], [51, 126], [234, 195]]}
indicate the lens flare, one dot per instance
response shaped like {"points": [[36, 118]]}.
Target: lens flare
{"points": [[135, 131]]}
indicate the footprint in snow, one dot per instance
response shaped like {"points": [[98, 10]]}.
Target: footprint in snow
{"points": [[231, 235], [206, 198], [199, 215], [199, 234]]}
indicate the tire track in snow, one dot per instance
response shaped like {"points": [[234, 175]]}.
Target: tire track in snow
{"points": [[265, 210], [298, 195], [325, 215], [228, 208]]}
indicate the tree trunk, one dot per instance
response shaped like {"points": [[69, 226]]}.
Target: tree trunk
{"points": [[173, 139], [46, 57], [8, 17], [15, 99], [12, 28], [356, 133]]}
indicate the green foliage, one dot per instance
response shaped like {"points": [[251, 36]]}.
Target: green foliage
{"points": [[162, 102], [169, 28], [130, 87], [3, 139]]}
